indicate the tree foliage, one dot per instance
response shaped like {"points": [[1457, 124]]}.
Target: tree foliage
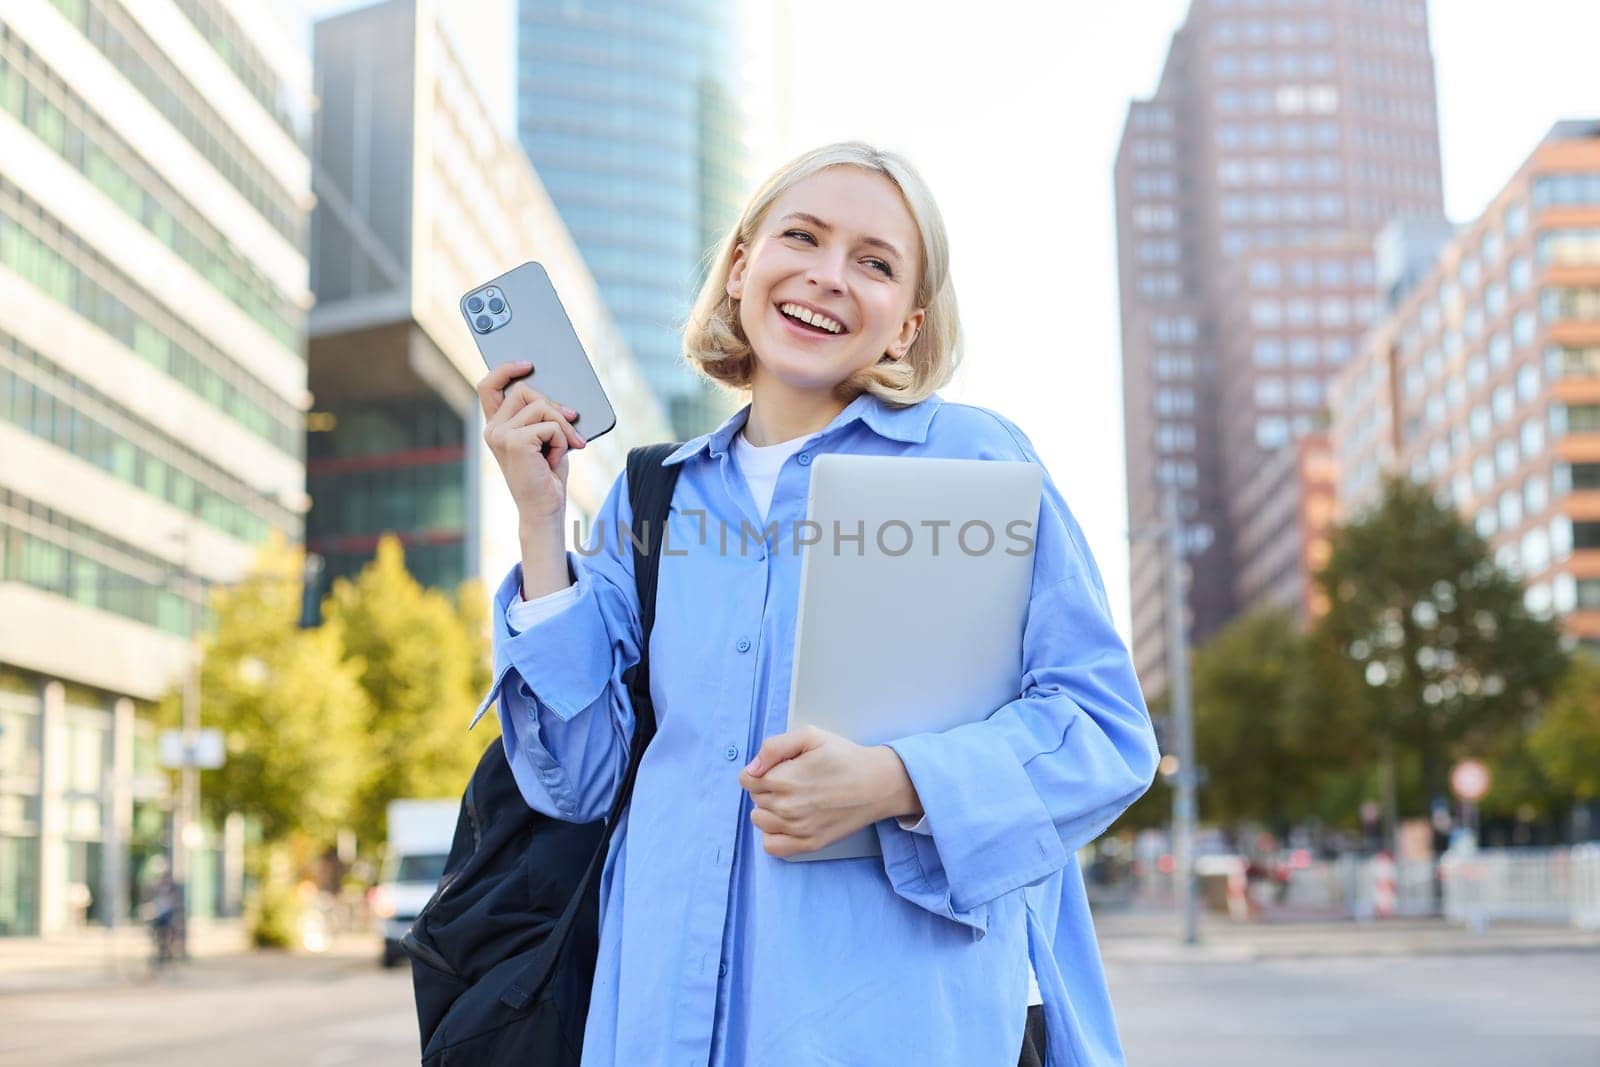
{"points": [[288, 702], [422, 658], [1251, 737], [1566, 742], [1426, 641], [325, 726]]}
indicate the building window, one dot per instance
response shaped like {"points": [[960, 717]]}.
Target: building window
{"points": [[1570, 248], [1490, 247], [1272, 432], [1523, 328], [1266, 314], [1479, 423], [1271, 392], [1535, 494], [1499, 350], [1267, 352], [1567, 190], [1567, 302], [1494, 300], [1510, 510], [1519, 274], [1505, 456]]}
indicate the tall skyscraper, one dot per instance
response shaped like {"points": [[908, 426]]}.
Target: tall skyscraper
{"points": [[1485, 381], [1249, 189], [420, 198], [629, 113], [154, 184]]}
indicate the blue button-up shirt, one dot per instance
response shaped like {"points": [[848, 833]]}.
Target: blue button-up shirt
{"points": [[712, 951]]}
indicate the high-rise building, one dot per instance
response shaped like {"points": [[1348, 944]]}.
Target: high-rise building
{"points": [[154, 186], [419, 199], [1280, 138], [629, 113], [1485, 381]]}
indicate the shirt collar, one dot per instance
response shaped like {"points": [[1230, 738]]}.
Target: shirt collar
{"points": [[896, 422]]}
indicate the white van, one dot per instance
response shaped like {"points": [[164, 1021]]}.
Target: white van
{"points": [[420, 832]]}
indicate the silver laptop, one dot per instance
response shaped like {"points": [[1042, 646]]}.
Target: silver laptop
{"points": [[913, 598]]}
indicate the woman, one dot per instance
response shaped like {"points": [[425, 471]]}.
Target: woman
{"points": [[831, 304]]}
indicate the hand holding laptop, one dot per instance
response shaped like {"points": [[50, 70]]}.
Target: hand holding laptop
{"points": [[917, 625]]}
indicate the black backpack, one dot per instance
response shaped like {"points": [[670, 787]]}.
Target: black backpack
{"points": [[503, 955]]}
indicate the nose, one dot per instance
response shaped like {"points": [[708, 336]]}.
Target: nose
{"points": [[827, 273]]}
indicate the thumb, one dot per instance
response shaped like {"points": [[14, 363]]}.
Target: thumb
{"points": [[780, 747]]}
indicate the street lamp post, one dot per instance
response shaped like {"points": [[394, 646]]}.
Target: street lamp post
{"points": [[1186, 780], [1183, 800]]}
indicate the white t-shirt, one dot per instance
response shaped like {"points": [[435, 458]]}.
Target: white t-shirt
{"points": [[759, 464]]}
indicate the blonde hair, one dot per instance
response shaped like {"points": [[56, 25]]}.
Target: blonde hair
{"points": [[715, 344]]}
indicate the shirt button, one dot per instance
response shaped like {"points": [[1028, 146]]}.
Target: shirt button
{"points": [[743, 645], [804, 459], [722, 970], [730, 752]]}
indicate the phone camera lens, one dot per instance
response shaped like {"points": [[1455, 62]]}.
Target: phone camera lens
{"points": [[497, 305], [475, 305], [484, 323]]}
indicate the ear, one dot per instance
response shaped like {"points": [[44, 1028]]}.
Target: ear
{"points": [[908, 334], [735, 283]]}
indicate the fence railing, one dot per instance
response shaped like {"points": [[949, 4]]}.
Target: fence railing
{"points": [[1533, 885], [1551, 885]]}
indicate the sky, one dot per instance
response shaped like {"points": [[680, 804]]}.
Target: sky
{"points": [[1013, 118]]}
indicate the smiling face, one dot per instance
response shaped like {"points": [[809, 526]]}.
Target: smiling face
{"points": [[826, 283]]}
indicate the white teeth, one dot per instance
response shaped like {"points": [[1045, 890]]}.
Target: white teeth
{"points": [[811, 317]]}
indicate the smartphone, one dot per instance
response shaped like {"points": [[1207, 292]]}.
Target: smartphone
{"points": [[518, 316]]}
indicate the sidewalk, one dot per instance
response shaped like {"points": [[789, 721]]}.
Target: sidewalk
{"points": [[1136, 937], [98, 957]]}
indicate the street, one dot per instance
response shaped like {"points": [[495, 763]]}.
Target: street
{"points": [[1507, 1006], [240, 1011], [1482, 1010]]}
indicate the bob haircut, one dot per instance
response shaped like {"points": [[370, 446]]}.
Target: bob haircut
{"points": [[714, 341]]}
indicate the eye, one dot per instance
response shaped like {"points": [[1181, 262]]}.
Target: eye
{"points": [[881, 265], [801, 234]]}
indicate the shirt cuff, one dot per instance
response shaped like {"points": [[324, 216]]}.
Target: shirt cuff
{"points": [[522, 614]]}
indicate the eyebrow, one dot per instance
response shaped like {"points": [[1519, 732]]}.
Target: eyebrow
{"points": [[876, 242]]}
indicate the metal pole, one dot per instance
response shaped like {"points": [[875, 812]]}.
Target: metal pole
{"points": [[1183, 800]]}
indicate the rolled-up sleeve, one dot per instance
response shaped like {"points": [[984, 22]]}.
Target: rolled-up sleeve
{"points": [[1009, 798], [559, 688]]}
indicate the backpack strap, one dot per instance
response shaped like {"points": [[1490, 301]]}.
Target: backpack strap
{"points": [[650, 486]]}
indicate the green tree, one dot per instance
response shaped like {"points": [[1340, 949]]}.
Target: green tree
{"points": [[288, 703], [1250, 734], [1566, 742], [1426, 643], [423, 663]]}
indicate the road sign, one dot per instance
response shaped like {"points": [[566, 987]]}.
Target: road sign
{"points": [[1469, 780], [203, 749]]}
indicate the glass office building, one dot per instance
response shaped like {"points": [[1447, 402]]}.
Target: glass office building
{"points": [[154, 185], [420, 198], [628, 112]]}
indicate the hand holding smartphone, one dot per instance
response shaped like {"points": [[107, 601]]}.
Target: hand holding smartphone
{"points": [[539, 391], [518, 316]]}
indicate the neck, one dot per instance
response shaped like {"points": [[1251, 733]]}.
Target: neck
{"points": [[780, 413]]}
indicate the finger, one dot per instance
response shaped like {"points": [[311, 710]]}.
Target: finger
{"points": [[544, 410], [492, 386], [753, 785], [783, 845], [768, 822], [780, 747], [521, 396], [544, 437]]}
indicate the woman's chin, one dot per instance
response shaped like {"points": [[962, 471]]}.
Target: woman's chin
{"points": [[799, 374]]}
